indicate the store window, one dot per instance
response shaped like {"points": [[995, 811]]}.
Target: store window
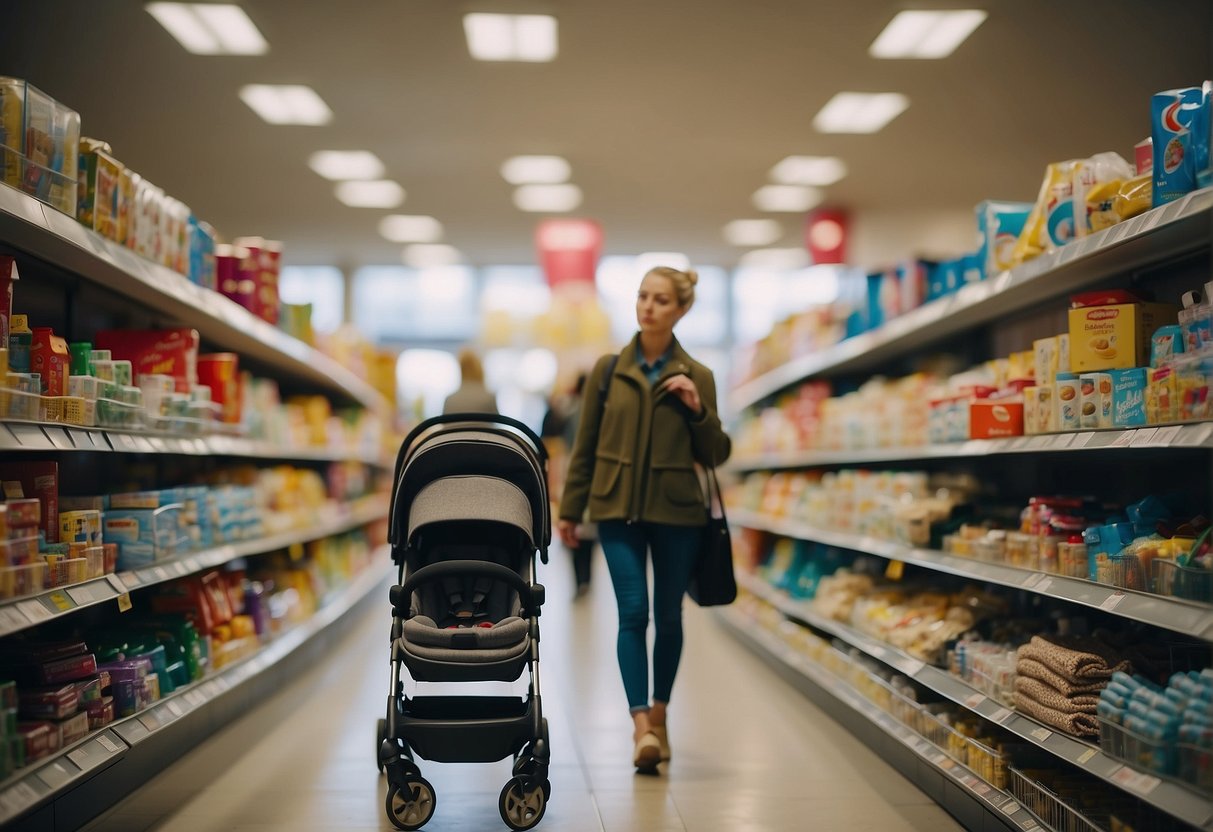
{"points": [[519, 290], [321, 286], [763, 297], [424, 378], [400, 304]]}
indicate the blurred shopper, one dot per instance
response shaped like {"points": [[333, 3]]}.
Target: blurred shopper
{"points": [[641, 432], [472, 396], [560, 432]]}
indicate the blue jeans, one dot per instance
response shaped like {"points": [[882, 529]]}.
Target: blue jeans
{"points": [[675, 550]]}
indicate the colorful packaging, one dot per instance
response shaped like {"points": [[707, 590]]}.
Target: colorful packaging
{"points": [[221, 373], [38, 480], [80, 527], [1129, 397], [8, 276], [1046, 409], [996, 418], [1051, 221], [1143, 156], [1166, 343], [1069, 402], [1111, 330], [1178, 142], [1100, 171], [1046, 361], [1095, 401], [999, 225], [202, 253], [97, 197], [50, 358], [171, 352], [20, 338], [1162, 396]]}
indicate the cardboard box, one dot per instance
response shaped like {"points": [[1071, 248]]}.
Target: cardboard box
{"points": [[1096, 401], [1115, 336], [172, 352], [38, 480], [1068, 396], [1162, 396], [996, 418], [1129, 397], [1031, 413], [1046, 361]]}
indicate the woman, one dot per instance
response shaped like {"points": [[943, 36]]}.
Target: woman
{"points": [[472, 396], [633, 467]]}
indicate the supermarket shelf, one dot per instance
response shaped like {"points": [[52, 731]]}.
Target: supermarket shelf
{"points": [[39, 436], [1188, 436], [33, 610], [58, 239], [1172, 798], [1156, 235], [1161, 611], [994, 801], [54, 778]]}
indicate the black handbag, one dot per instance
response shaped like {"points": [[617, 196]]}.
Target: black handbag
{"points": [[712, 583]]}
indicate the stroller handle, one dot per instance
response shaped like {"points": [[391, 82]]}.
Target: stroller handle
{"points": [[457, 568], [487, 418]]}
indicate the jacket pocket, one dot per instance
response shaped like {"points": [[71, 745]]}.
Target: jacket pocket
{"points": [[679, 485], [607, 475]]}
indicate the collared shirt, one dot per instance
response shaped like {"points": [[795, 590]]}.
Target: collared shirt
{"points": [[653, 371]]}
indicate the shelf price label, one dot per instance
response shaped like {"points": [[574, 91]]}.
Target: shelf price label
{"points": [[1112, 601], [108, 744], [35, 611], [1042, 734], [975, 701], [1000, 715], [1167, 436], [1086, 756], [1143, 437], [1135, 780], [61, 600], [1124, 440]]}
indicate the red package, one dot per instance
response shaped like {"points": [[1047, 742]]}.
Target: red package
{"points": [[258, 274], [221, 373], [72, 729], [171, 352], [1107, 297], [58, 671], [8, 276], [48, 703], [100, 712], [40, 738], [48, 356], [39, 480], [188, 598]]}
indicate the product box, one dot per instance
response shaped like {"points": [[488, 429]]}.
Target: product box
{"points": [[49, 357], [38, 480], [1096, 401], [39, 144], [171, 352], [996, 418], [221, 373], [1046, 409], [999, 225], [261, 267], [1129, 397], [1031, 411], [1069, 402], [80, 527], [1162, 396], [1046, 361], [1115, 335], [1143, 156], [97, 200], [56, 702]]}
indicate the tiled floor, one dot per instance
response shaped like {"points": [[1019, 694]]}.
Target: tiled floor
{"points": [[750, 753]]}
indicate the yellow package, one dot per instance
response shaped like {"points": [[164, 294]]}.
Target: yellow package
{"points": [[1091, 174], [1119, 200], [12, 130], [1051, 222]]}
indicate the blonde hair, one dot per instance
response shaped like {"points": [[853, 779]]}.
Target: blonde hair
{"points": [[684, 283], [470, 368]]}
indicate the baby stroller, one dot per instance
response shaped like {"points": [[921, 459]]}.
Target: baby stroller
{"points": [[469, 511]]}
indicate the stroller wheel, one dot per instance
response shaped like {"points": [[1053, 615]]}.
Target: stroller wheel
{"points": [[523, 802], [413, 806], [380, 736]]}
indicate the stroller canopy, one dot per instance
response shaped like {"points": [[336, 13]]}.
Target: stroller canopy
{"points": [[468, 497]]}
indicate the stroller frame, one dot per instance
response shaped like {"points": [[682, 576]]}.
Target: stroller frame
{"points": [[466, 728]]}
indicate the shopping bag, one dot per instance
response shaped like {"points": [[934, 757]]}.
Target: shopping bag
{"points": [[713, 583]]}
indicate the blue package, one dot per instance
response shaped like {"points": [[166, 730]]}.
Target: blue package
{"points": [[1129, 397], [1175, 119], [999, 225]]}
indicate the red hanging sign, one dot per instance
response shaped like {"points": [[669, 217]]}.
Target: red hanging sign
{"points": [[825, 236], [568, 250]]}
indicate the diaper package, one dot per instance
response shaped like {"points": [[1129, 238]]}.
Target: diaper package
{"points": [[1180, 124]]}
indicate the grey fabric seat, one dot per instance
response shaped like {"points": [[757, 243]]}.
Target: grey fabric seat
{"points": [[508, 639]]}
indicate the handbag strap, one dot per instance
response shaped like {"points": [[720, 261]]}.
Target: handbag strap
{"points": [[714, 495]]}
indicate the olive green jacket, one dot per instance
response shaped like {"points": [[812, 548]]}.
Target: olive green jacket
{"points": [[634, 458]]}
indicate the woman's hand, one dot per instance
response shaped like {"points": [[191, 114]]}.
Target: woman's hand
{"points": [[685, 389], [567, 530]]}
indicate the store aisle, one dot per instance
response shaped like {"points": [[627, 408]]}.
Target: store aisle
{"points": [[750, 753]]}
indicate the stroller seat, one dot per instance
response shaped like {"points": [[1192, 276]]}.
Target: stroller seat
{"points": [[507, 639]]}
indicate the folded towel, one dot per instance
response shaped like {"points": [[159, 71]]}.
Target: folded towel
{"points": [[1054, 699], [1078, 659], [1076, 725], [1035, 670]]}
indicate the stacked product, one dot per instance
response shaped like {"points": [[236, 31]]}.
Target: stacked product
{"points": [[988, 666], [1059, 680], [61, 692], [1165, 730], [39, 142]]}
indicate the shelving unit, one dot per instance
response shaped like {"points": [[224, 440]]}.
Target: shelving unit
{"points": [[38, 436], [1175, 437], [1161, 611], [57, 239], [1172, 798], [111, 759], [23, 613], [66, 790], [1182, 226], [937, 771]]}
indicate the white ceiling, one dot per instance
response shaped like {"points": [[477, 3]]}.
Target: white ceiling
{"points": [[671, 112]]}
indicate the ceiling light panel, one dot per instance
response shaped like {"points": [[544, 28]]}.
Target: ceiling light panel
{"points": [[926, 34], [511, 37], [752, 232], [340, 165], [286, 104], [790, 198], [555, 199], [535, 170], [381, 193], [818, 171], [210, 28], [860, 112], [431, 255], [400, 228], [775, 259]]}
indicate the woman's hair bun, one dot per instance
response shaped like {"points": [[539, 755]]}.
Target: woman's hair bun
{"points": [[692, 276]]}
